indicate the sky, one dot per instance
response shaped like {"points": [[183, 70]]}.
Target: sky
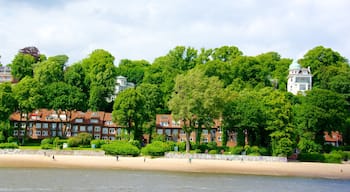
{"points": [[147, 29]]}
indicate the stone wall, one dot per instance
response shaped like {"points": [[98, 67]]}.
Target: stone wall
{"points": [[52, 152], [224, 157]]}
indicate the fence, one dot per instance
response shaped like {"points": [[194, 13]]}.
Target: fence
{"points": [[54, 152]]}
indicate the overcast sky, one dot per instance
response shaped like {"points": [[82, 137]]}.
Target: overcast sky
{"points": [[146, 29]]}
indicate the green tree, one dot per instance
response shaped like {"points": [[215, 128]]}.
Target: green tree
{"points": [[28, 96], [7, 106], [50, 70], [133, 70], [75, 75], [195, 97], [22, 65], [100, 75], [128, 111]]}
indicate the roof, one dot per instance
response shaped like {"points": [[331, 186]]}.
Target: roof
{"points": [[294, 66]]}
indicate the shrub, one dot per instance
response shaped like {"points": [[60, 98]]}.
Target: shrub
{"points": [[311, 157], [213, 151], [237, 150], [264, 151], [8, 146], [135, 143], [253, 150], [121, 148], [212, 145], [182, 146], [46, 141], [157, 148], [46, 146], [85, 138], [74, 142], [11, 139], [202, 148], [333, 157], [98, 142]]}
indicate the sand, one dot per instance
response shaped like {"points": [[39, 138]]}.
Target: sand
{"points": [[315, 170]]}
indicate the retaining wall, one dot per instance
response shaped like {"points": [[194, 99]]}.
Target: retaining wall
{"points": [[52, 152], [225, 157]]}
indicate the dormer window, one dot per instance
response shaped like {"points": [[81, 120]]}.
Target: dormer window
{"points": [[93, 120], [78, 120]]}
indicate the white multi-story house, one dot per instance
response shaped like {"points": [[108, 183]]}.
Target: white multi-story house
{"points": [[5, 74], [121, 83], [299, 79]]}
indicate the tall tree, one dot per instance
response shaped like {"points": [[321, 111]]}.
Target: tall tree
{"points": [[100, 76], [133, 70], [195, 97], [28, 96], [51, 70], [7, 106], [128, 111]]}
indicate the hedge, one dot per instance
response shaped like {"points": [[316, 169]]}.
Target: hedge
{"points": [[8, 146], [121, 148]]}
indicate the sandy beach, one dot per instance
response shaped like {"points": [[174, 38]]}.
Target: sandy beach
{"points": [[317, 170]]}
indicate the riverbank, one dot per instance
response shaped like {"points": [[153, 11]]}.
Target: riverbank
{"points": [[316, 170]]}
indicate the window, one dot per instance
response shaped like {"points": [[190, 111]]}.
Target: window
{"points": [[78, 120], [15, 132], [75, 128], [182, 131], [93, 120], [89, 128], [164, 124], [205, 132], [175, 131], [38, 125], [168, 132], [97, 136], [175, 122], [22, 132], [45, 125], [23, 125], [45, 133], [205, 140], [219, 130], [109, 122], [53, 126], [83, 128], [97, 129], [111, 138], [105, 138], [112, 131], [15, 125], [53, 133], [160, 131], [105, 130], [38, 133], [119, 131], [219, 138], [302, 87], [30, 125]]}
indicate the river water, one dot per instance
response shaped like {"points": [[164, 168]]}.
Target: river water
{"points": [[33, 180]]}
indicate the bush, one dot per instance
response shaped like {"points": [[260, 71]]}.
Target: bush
{"points": [[46, 141], [157, 148], [8, 146], [11, 139], [74, 142], [98, 143], [264, 151], [254, 150], [213, 151], [333, 157], [212, 145], [46, 146], [237, 150], [182, 146], [135, 143], [311, 157], [85, 138], [121, 148]]}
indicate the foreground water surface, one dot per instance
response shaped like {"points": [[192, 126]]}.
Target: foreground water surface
{"points": [[20, 179]]}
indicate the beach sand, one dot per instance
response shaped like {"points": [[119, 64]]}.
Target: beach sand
{"points": [[316, 170]]}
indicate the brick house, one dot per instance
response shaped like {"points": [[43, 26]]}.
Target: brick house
{"points": [[45, 123], [172, 130]]}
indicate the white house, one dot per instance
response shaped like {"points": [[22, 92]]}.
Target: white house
{"points": [[299, 79], [121, 83]]}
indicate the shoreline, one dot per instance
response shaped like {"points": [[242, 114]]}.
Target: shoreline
{"points": [[289, 169]]}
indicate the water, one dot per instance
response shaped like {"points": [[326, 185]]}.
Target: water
{"points": [[32, 180]]}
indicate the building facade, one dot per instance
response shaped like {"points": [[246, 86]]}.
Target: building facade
{"points": [[299, 79], [121, 83], [45, 123], [172, 130], [5, 74]]}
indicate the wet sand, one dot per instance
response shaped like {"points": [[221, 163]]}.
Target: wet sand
{"points": [[316, 170]]}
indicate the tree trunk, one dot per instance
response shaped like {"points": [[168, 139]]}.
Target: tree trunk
{"points": [[188, 144]]}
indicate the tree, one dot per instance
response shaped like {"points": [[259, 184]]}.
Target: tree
{"points": [[321, 110], [226, 53], [28, 96], [22, 65], [152, 106], [128, 111], [75, 75], [51, 70], [100, 76], [278, 113], [7, 106], [195, 97], [133, 70]]}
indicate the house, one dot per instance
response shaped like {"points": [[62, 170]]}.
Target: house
{"points": [[334, 138], [172, 130], [299, 79], [44, 123], [121, 84], [5, 74]]}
